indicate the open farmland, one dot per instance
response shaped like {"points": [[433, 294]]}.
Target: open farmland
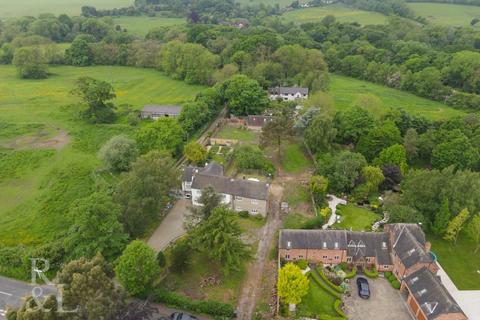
{"points": [[346, 90], [48, 154], [446, 14], [142, 25], [18, 8], [340, 12]]}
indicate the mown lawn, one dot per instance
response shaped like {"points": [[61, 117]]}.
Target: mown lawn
{"points": [[295, 159], [40, 186], [345, 92], [16, 8], [341, 12], [459, 261], [356, 218], [317, 302], [446, 14], [240, 134], [142, 25]]}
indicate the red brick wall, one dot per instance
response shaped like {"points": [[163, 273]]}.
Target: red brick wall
{"points": [[293, 254]]}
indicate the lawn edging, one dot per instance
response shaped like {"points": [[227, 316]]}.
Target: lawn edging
{"points": [[324, 285]]}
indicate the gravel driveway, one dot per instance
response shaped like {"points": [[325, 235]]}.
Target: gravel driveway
{"points": [[384, 303], [171, 227]]}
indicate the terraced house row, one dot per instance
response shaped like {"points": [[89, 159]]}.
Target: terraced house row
{"points": [[401, 248]]}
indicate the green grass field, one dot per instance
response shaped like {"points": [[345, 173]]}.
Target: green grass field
{"points": [[281, 3], [346, 90], [37, 192], [459, 261], [341, 13], [17, 8], [446, 14], [141, 25]]}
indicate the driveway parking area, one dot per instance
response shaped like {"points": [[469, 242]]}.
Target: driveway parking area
{"points": [[384, 303]]}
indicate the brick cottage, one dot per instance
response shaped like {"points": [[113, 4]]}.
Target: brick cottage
{"points": [[401, 249]]}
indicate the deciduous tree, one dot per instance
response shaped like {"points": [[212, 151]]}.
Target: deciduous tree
{"points": [[118, 153], [195, 152], [137, 267], [244, 96], [456, 225], [163, 134], [143, 191], [373, 177], [442, 219], [30, 63], [96, 228], [96, 95], [277, 130], [473, 231], [292, 285]]}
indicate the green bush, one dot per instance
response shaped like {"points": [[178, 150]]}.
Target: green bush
{"points": [[327, 281], [351, 274], [314, 223], [214, 308], [244, 214], [387, 274], [338, 308], [372, 274], [395, 284], [302, 264]]}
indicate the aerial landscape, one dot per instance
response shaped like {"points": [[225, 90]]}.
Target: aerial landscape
{"points": [[239, 159]]}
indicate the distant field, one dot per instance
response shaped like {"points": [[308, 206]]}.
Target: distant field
{"points": [[346, 90], [41, 184], [141, 25], [281, 3], [446, 14], [16, 8], [341, 13]]}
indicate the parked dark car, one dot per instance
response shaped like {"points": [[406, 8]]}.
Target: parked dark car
{"points": [[182, 316], [363, 288]]}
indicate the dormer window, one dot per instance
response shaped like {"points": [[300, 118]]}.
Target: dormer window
{"points": [[336, 245], [414, 280], [324, 245], [289, 245], [411, 251], [422, 292], [384, 245]]}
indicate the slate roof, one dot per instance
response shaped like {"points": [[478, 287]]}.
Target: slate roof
{"points": [[162, 109], [258, 121], [413, 228], [313, 239], [288, 90], [431, 295], [409, 245], [212, 168], [241, 188], [369, 244]]}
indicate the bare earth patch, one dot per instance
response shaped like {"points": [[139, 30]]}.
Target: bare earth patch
{"points": [[40, 141]]}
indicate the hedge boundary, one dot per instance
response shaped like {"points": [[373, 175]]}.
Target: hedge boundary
{"points": [[327, 281], [351, 274], [371, 274], [214, 308], [325, 286]]}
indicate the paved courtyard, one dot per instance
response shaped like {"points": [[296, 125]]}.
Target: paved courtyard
{"points": [[384, 303]]}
